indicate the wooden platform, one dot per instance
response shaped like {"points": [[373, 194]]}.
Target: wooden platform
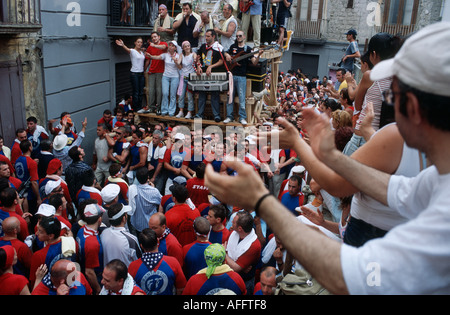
{"points": [[251, 106], [154, 119]]}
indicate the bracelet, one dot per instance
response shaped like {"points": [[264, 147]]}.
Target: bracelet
{"points": [[258, 203]]}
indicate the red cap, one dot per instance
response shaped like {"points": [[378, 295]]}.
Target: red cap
{"points": [[53, 166]]}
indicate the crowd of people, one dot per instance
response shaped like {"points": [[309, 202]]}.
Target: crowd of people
{"points": [[196, 43], [165, 210]]}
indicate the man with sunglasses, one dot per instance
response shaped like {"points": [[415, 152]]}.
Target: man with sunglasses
{"points": [[240, 75]]}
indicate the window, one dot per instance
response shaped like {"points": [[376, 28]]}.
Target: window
{"points": [[309, 10], [401, 12], [308, 19]]}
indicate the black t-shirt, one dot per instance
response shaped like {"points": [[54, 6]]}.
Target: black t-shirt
{"points": [[209, 56], [185, 32], [241, 69]]}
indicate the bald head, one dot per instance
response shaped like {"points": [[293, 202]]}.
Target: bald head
{"points": [[268, 280], [61, 272], [11, 226]]}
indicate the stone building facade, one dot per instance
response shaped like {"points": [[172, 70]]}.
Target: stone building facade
{"points": [[319, 26], [21, 83]]}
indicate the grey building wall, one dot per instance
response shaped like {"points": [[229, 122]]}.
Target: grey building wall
{"points": [[77, 60]]}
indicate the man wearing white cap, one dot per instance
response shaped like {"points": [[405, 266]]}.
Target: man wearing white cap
{"points": [[110, 194], [52, 186], [413, 257], [174, 159], [91, 249], [117, 242]]}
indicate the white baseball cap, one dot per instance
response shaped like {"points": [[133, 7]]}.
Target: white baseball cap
{"points": [[92, 210], [109, 192], [51, 184], [179, 136], [46, 210], [423, 62]]}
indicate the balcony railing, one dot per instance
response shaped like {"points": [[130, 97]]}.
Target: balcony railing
{"points": [[395, 29], [139, 18], [19, 16], [308, 29]]}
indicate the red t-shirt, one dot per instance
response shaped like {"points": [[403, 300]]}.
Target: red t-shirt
{"points": [[251, 256], [23, 252], [156, 66], [23, 224], [11, 284], [180, 221], [198, 191], [172, 247], [15, 151]]}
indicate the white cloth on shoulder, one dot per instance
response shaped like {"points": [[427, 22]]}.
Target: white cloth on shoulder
{"points": [[235, 248]]}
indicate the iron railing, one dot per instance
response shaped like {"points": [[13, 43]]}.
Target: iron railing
{"points": [[396, 29], [141, 13], [308, 29]]}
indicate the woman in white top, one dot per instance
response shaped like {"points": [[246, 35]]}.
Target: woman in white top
{"points": [[186, 65], [170, 79], [137, 70]]}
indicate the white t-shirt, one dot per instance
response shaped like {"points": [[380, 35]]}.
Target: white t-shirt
{"points": [[371, 211], [137, 61], [414, 257], [188, 65], [170, 68]]}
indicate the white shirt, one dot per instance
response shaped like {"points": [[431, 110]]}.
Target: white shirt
{"points": [[414, 257], [119, 244], [170, 68], [137, 61]]}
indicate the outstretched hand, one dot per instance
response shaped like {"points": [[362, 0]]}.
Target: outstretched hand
{"points": [[242, 190], [321, 136], [285, 138]]}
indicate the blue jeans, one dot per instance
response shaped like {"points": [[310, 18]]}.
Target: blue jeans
{"points": [[169, 95], [240, 87], [215, 104], [189, 96], [137, 83]]}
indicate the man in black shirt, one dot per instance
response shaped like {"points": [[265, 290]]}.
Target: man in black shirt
{"points": [[239, 71], [185, 26], [209, 60]]}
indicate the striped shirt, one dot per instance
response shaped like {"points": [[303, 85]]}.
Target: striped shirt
{"points": [[375, 95], [144, 201]]}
